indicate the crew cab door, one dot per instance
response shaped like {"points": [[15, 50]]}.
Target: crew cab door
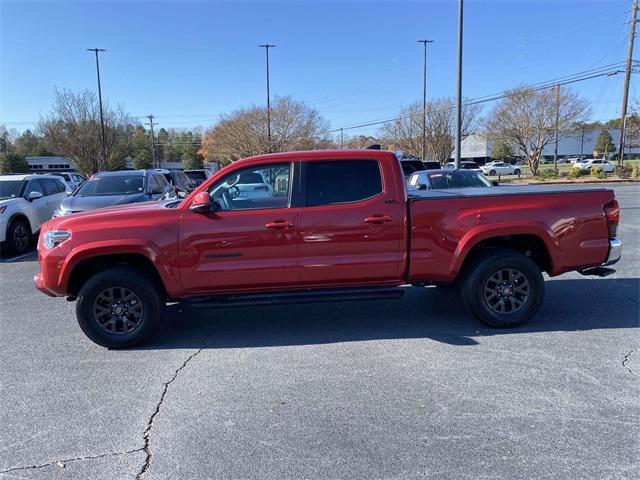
{"points": [[249, 242], [352, 222]]}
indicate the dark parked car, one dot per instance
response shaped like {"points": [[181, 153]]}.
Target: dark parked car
{"points": [[108, 189], [197, 176], [179, 180], [410, 165]]}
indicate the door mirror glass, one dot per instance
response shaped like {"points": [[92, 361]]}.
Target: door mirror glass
{"points": [[201, 203], [34, 196]]}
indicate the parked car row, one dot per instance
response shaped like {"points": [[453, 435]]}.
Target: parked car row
{"points": [[27, 201]]}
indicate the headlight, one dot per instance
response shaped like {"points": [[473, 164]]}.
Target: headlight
{"points": [[53, 238]]}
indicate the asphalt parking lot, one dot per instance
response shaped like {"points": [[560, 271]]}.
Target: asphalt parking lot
{"points": [[408, 388]]}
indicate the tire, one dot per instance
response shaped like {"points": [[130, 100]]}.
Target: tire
{"points": [[18, 236], [516, 171], [502, 288], [492, 173], [138, 299]]}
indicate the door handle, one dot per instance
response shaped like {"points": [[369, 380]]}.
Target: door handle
{"points": [[378, 219], [279, 225]]}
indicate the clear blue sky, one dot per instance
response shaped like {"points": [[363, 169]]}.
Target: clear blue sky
{"points": [[188, 62]]}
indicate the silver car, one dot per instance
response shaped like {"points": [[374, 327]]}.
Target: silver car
{"points": [[108, 189]]}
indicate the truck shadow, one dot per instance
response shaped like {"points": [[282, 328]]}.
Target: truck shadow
{"points": [[434, 313]]}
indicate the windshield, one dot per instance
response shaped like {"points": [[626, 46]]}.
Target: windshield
{"points": [[458, 179], [10, 188], [115, 185]]}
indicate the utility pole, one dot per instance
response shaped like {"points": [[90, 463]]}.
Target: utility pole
{"points": [[104, 138], [581, 139], [424, 101], [266, 47], [555, 151], [625, 92], [341, 137], [459, 89], [153, 140]]}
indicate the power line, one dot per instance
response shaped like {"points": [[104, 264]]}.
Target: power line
{"points": [[486, 99]]}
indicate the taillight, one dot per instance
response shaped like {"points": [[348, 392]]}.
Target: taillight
{"points": [[612, 214], [261, 189]]}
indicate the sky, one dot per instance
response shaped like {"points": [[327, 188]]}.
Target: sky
{"points": [[189, 62]]}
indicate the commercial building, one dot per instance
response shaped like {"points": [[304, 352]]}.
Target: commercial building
{"points": [[479, 149]]}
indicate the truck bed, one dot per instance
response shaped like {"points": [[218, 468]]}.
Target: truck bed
{"points": [[445, 224], [500, 191]]}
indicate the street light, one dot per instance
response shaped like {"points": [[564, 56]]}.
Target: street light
{"points": [[266, 47], [104, 140], [459, 89], [424, 101]]}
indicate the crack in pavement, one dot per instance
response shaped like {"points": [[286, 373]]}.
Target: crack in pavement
{"points": [[69, 460], [625, 361], [147, 431]]}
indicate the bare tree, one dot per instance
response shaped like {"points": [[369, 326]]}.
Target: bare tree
{"points": [[405, 133], [294, 126], [73, 130], [526, 120]]}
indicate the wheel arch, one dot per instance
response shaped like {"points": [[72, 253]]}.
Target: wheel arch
{"points": [[535, 243], [141, 254]]}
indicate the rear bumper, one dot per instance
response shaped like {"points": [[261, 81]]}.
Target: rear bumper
{"points": [[615, 251]]}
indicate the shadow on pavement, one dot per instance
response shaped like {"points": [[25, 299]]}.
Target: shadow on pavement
{"points": [[30, 256], [570, 305]]}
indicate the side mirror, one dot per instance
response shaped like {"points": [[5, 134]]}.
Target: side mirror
{"points": [[422, 186], [201, 203], [495, 183], [34, 196]]}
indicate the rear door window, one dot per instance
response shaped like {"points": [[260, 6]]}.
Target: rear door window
{"points": [[341, 181]]}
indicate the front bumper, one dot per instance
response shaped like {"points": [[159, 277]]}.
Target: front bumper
{"points": [[615, 251]]}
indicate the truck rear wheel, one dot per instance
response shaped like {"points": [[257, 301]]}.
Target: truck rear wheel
{"points": [[119, 307], [503, 288]]}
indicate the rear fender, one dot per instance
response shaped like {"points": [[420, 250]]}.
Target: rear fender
{"points": [[484, 232]]}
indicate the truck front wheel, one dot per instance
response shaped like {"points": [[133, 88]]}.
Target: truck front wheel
{"points": [[119, 307], [503, 288]]}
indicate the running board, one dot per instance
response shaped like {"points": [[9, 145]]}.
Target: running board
{"points": [[306, 296]]}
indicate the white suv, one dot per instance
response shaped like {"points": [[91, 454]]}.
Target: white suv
{"points": [[26, 202]]}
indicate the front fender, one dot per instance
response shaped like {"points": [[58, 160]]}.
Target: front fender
{"points": [[166, 270]]}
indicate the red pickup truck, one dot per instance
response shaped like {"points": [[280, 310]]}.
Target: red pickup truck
{"points": [[318, 226]]}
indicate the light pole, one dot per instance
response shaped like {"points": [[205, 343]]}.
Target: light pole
{"points": [[424, 101], [266, 47], [625, 92], [555, 151], [459, 88], [104, 140]]}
